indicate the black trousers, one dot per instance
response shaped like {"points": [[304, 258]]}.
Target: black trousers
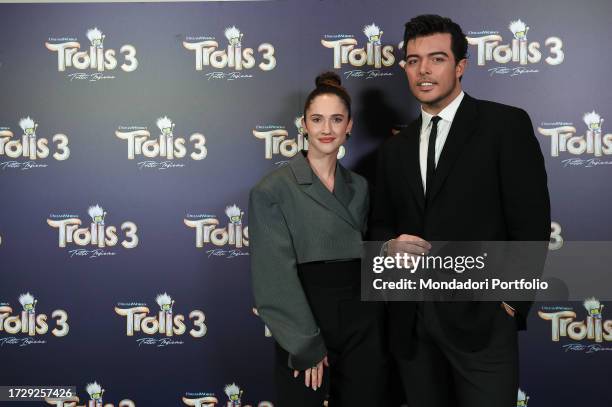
{"points": [[353, 332], [440, 374]]}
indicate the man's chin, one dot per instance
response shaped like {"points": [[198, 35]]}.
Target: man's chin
{"points": [[425, 96], [429, 100], [434, 101]]}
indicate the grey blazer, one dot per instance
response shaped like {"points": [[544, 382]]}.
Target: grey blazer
{"points": [[294, 218]]}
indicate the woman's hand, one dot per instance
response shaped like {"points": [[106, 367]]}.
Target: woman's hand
{"points": [[313, 377]]}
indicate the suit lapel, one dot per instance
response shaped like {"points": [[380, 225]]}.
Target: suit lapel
{"points": [[314, 188], [411, 161], [460, 132]]}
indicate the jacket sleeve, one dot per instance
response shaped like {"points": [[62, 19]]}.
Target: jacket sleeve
{"points": [[278, 293], [526, 200]]}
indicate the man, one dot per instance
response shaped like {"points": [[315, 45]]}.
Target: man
{"points": [[465, 170]]}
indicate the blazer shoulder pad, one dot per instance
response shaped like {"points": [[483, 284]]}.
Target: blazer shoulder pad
{"points": [[495, 108], [391, 143], [272, 182], [358, 180]]}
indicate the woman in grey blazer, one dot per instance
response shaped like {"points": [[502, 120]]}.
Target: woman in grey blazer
{"points": [[306, 222]]}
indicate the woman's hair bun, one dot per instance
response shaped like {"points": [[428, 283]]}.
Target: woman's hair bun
{"points": [[328, 79], [329, 83]]}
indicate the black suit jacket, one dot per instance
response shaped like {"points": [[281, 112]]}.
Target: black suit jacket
{"points": [[490, 184]]}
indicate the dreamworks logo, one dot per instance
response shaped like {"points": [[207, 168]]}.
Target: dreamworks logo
{"points": [[98, 235], [29, 323], [95, 392], [276, 141], [234, 398], [166, 324], [235, 55], [563, 138], [564, 325], [520, 51], [30, 146], [373, 55], [97, 58], [208, 231], [167, 144]]}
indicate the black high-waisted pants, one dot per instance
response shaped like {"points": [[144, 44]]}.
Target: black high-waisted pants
{"points": [[353, 332]]}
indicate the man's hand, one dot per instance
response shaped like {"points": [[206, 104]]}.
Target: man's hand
{"points": [[313, 377], [410, 244]]}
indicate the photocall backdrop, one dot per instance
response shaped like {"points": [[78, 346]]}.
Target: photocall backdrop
{"points": [[130, 135]]}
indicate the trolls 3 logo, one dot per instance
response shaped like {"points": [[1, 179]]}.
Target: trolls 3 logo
{"points": [[235, 56], [563, 138], [276, 141], [234, 398], [556, 238], [208, 231], [374, 54], [564, 324], [30, 146], [267, 332], [166, 145], [98, 234], [166, 323], [30, 323], [96, 58], [522, 399], [520, 51], [200, 399], [96, 392]]}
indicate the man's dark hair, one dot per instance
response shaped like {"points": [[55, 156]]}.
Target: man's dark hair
{"points": [[429, 24]]}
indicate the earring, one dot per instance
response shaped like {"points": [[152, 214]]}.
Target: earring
{"points": [[348, 134], [305, 135]]}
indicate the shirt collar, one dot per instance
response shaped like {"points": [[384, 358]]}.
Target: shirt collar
{"points": [[447, 114]]}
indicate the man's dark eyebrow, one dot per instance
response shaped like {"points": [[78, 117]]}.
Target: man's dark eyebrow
{"points": [[429, 55]]}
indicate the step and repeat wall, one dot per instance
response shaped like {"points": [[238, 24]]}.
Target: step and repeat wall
{"points": [[130, 135]]}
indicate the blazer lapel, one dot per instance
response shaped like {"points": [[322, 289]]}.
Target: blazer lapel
{"points": [[343, 188], [461, 129], [314, 188], [411, 161]]}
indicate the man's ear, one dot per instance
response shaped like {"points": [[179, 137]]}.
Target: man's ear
{"points": [[460, 68]]}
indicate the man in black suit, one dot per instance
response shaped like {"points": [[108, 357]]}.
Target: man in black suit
{"points": [[465, 170]]}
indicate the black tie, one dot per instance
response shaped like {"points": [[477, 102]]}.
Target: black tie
{"points": [[431, 154]]}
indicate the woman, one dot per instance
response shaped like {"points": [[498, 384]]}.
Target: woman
{"points": [[306, 222]]}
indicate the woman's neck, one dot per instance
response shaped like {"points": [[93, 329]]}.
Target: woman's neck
{"points": [[324, 166]]}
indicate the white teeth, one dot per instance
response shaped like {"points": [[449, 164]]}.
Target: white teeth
{"points": [[425, 84]]}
